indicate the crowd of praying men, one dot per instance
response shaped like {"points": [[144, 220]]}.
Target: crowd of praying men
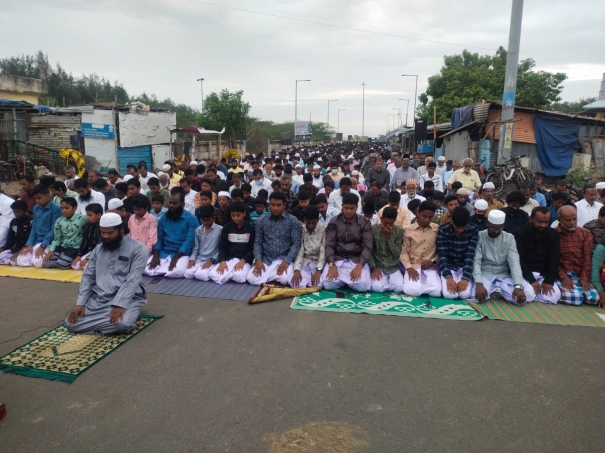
{"points": [[334, 216]]}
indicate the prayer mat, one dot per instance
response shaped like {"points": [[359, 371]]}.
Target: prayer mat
{"points": [[538, 313], [57, 275], [270, 291], [348, 301], [59, 355], [242, 292]]}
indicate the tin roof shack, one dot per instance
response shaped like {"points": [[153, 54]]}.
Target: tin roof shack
{"points": [[549, 139], [117, 137]]}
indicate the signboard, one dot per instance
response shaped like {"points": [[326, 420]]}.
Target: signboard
{"points": [[97, 130], [303, 130], [508, 135]]}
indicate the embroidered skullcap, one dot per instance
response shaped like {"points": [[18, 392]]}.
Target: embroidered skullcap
{"points": [[462, 191], [166, 167], [496, 217]]}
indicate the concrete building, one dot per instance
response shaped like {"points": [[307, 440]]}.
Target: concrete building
{"points": [[15, 88]]}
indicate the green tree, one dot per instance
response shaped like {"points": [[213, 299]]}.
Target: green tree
{"points": [[468, 78], [273, 130], [228, 110], [571, 107]]}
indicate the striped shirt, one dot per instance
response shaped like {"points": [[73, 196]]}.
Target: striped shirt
{"points": [[576, 253], [457, 252]]}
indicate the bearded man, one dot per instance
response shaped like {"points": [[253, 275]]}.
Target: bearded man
{"points": [[111, 293], [86, 196]]}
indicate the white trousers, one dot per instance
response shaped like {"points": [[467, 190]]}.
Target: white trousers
{"points": [[389, 282], [429, 283], [198, 273], [29, 259], [270, 274], [506, 286], [230, 274], [551, 298], [344, 277], [457, 276], [5, 258], [306, 273], [78, 266], [162, 268]]}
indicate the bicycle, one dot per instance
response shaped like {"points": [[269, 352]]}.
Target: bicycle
{"points": [[10, 172], [500, 176]]}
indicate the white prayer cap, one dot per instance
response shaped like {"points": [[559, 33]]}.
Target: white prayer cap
{"points": [[224, 193], [440, 158], [481, 205], [296, 155], [496, 217], [166, 167], [161, 173], [354, 173], [127, 178], [114, 203], [110, 219], [489, 185], [193, 162], [319, 159], [298, 166], [600, 186], [316, 167], [462, 191]]}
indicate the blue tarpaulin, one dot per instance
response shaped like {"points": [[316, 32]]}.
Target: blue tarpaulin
{"points": [[556, 142], [461, 116]]}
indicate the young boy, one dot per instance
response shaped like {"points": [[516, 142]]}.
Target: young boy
{"points": [[248, 199], [46, 214], [61, 191], [237, 196], [221, 215], [403, 214], [19, 230], [304, 198], [451, 203], [413, 207], [204, 198], [157, 207], [69, 231], [121, 189], [235, 249], [311, 257], [205, 251], [369, 212], [260, 206], [156, 190], [91, 237], [439, 199], [384, 261], [142, 225]]}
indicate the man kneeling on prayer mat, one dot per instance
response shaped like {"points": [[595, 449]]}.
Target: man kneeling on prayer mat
{"points": [[176, 238], [497, 267], [349, 244], [276, 244], [205, 251], [312, 254], [111, 295], [419, 254], [384, 261]]}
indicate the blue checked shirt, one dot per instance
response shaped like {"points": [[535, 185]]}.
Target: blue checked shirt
{"points": [[455, 251], [277, 237]]}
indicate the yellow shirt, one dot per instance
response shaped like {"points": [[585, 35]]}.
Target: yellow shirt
{"points": [[419, 245], [470, 181], [175, 179], [495, 204], [403, 216]]}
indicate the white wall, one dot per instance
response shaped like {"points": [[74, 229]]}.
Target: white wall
{"points": [[151, 129], [104, 150]]}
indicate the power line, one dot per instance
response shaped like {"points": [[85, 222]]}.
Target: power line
{"points": [[337, 26]]}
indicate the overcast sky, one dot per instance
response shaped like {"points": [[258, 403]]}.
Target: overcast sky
{"points": [[162, 47]]}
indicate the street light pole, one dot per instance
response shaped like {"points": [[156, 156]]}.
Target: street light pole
{"points": [[202, 88], [363, 108], [415, 95], [407, 109], [330, 100], [296, 106], [398, 114], [338, 127]]}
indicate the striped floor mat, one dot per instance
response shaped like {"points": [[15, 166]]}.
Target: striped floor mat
{"points": [[242, 292], [535, 312]]}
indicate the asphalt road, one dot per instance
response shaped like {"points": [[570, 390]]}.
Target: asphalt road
{"points": [[224, 376]]}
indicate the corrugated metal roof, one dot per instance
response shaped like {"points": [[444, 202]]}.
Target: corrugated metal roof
{"points": [[52, 131], [523, 131], [598, 105], [480, 111]]}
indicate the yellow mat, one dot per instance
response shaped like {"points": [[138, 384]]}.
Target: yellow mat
{"points": [[57, 275]]}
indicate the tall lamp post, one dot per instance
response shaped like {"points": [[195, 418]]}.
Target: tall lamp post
{"points": [[338, 127], [406, 110], [393, 115], [398, 114], [202, 88], [330, 100], [415, 95], [296, 106]]}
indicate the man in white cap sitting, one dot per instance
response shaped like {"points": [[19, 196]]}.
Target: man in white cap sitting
{"points": [[174, 178], [176, 238], [111, 294], [441, 166], [479, 218], [497, 268], [164, 179], [298, 177], [487, 193]]}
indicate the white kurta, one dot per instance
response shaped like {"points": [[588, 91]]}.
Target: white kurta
{"points": [[586, 212]]}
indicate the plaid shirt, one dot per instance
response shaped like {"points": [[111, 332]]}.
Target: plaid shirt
{"points": [[385, 254], [576, 253], [455, 251]]}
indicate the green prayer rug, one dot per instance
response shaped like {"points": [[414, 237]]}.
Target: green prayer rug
{"points": [[59, 355], [538, 313], [394, 304]]}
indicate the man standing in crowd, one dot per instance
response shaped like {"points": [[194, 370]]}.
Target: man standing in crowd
{"points": [[456, 245]]}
